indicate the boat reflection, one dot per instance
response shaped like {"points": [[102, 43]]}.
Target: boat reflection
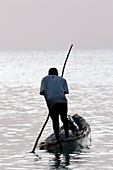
{"points": [[63, 160]]}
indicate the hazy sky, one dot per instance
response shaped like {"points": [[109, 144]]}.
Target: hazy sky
{"points": [[55, 24]]}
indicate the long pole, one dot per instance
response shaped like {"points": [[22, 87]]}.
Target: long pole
{"points": [[66, 60], [35, 145]]}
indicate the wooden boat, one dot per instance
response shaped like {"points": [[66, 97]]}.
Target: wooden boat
{"points": [[79, 131]]}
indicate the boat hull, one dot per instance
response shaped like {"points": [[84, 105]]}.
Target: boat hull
{"points": [[76, 140]]}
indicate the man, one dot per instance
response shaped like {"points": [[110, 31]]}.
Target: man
{"points": [[54, 88]]}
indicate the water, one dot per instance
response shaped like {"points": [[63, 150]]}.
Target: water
{"points": [[23, 111]]}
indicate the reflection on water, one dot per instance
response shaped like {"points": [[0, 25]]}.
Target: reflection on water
{"points": [[23, 112], [68, 160], [23, 118]]}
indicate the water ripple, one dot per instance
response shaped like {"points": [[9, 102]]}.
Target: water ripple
{"points": [[23, 112]]}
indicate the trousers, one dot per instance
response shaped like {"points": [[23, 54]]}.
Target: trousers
{"points": [[55, 111]]}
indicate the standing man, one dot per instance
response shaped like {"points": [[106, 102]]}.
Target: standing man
{"points": [[54, 88]]}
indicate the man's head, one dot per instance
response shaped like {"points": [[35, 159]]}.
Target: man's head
{"points": [[53, 71]]}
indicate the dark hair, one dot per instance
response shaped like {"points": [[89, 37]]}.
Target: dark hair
{"points": [[53, 71]]}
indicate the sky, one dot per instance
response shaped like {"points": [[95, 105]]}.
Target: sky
{"points": [[56, 24]]}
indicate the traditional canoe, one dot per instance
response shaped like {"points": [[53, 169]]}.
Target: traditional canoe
{"points": [[79, 131]]}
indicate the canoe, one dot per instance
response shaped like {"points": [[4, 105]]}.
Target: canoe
{"points": [[79, 131]]}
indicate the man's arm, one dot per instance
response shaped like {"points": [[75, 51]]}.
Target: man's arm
{"points": [[42, 92], [42, 89], [66, 91]]}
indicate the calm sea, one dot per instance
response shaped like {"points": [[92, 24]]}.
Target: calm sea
{"points": [[23, 111]]}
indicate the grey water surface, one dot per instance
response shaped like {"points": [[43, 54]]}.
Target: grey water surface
{"points": [[23, 111]]}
